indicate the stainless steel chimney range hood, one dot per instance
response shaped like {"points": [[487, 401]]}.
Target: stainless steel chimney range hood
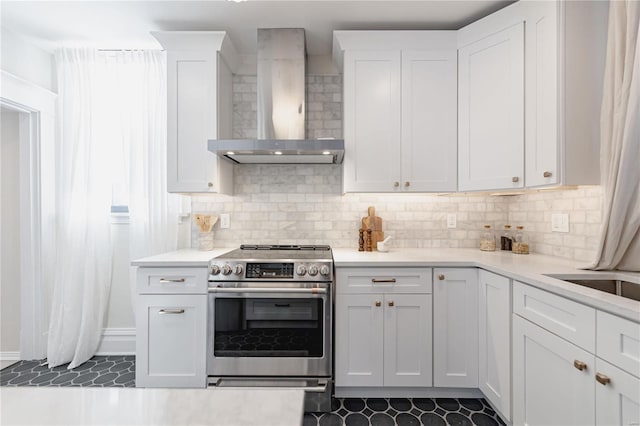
{"points": [[281, 109]]}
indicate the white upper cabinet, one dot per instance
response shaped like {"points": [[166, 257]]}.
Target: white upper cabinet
{"points": [[199, 106], [565, 51], [371, 121], [399, 110], [491, 106], [429, 110]]}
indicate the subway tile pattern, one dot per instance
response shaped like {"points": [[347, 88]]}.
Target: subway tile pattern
{"points": [[303, 204], [99, 371], [406, 412]]}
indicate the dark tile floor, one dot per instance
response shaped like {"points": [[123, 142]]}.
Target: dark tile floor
{"points": [[406, 412], [101, 371], [119, 371]]}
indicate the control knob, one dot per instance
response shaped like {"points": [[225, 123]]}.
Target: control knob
{"points": [[238, 269], [313, 270], [226, 270], [324, 270], [301, 270]]}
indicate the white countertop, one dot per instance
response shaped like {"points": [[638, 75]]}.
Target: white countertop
{"points": [[526, 268], [131, 406], [181, 258]]}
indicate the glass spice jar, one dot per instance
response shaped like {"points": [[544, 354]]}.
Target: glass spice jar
{"points": [[520, 242], [506, 240], [487, 239]]}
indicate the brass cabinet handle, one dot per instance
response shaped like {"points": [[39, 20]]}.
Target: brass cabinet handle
{"points": [[391, 303], [546, 174], [210, 184], [580, 365], [375, 280], [396, 184], [441, 277], [406, 184], [603, 379], [171, 280], [171, 311], [378, 303], [515, 179]]}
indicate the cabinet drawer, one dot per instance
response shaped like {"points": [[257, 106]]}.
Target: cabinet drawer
{"points": [[570, 320], [383, 280], [172, 280], [618, 341]]}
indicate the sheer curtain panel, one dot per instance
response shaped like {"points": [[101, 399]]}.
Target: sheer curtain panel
{"points": [[112, 151], [82, 275], [620, 142]]}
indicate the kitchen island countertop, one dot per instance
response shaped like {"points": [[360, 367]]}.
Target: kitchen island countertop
{"points": [[32, 405]]}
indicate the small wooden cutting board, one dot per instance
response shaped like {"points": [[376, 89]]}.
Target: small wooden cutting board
{"points": [[374, 223]]}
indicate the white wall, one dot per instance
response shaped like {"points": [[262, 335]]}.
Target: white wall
{"points": [[9, 233], [22, 58]]}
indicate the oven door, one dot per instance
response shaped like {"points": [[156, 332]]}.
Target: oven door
{"points": [[269, 330]]}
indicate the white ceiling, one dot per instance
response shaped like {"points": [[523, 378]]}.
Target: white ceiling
{"points": [[126, 24]]}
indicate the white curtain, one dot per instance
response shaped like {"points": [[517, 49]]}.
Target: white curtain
{"points": [[82, 275], [620, 142], [112, 149]]}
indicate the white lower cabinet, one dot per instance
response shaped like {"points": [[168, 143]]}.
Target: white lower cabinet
{"points": [[553, 380], [455, 327], [382, 339], [494, 340], [617, 396], [171, 341]]}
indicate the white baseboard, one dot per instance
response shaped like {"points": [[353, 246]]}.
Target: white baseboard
{"points": [[9, 356], [117, 341]]}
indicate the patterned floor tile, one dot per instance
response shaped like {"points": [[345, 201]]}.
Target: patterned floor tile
{"points": [[119, 371]]}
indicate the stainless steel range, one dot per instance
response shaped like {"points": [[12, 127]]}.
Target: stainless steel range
{"points": [[270, 320]]}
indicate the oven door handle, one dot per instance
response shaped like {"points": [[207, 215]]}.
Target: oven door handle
{"points": [[267, 290], [237, 385]]}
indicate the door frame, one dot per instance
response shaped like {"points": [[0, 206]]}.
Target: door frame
{"points": [[37, 206]]}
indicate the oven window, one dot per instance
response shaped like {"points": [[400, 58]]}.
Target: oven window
{"points": [[268, 327]]}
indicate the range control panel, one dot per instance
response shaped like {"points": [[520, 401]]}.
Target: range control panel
{"points": [[225, 270]]}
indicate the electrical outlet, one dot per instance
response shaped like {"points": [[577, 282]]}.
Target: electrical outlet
{"points": [[451, 220], [224, 220], [560, 222]]}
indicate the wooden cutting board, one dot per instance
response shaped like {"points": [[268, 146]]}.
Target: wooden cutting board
{"points": [[374, 223]]}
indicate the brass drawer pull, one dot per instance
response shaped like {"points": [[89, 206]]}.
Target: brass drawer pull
{"points": [[391, 303], [171, 280], [171, 311], [603, 379], [406, 184], [375, 280], [441, 277], [378, 303], [515, 179], [580, 365], [396, 184], [546, 174]]}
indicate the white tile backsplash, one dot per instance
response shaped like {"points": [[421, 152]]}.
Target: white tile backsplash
{"points": [[303, 204]]}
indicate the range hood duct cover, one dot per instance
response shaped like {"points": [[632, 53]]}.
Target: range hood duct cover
{"points": [[281, 108]]}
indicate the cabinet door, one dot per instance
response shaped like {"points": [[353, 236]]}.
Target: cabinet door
{"points": [[494, 340], [359, 337], [192, 119], [547, 388], [407, 340], [618, 401], [429, 120], [455, 328], [171, 341], [541, 109], [372, 121], [491, 111]]}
